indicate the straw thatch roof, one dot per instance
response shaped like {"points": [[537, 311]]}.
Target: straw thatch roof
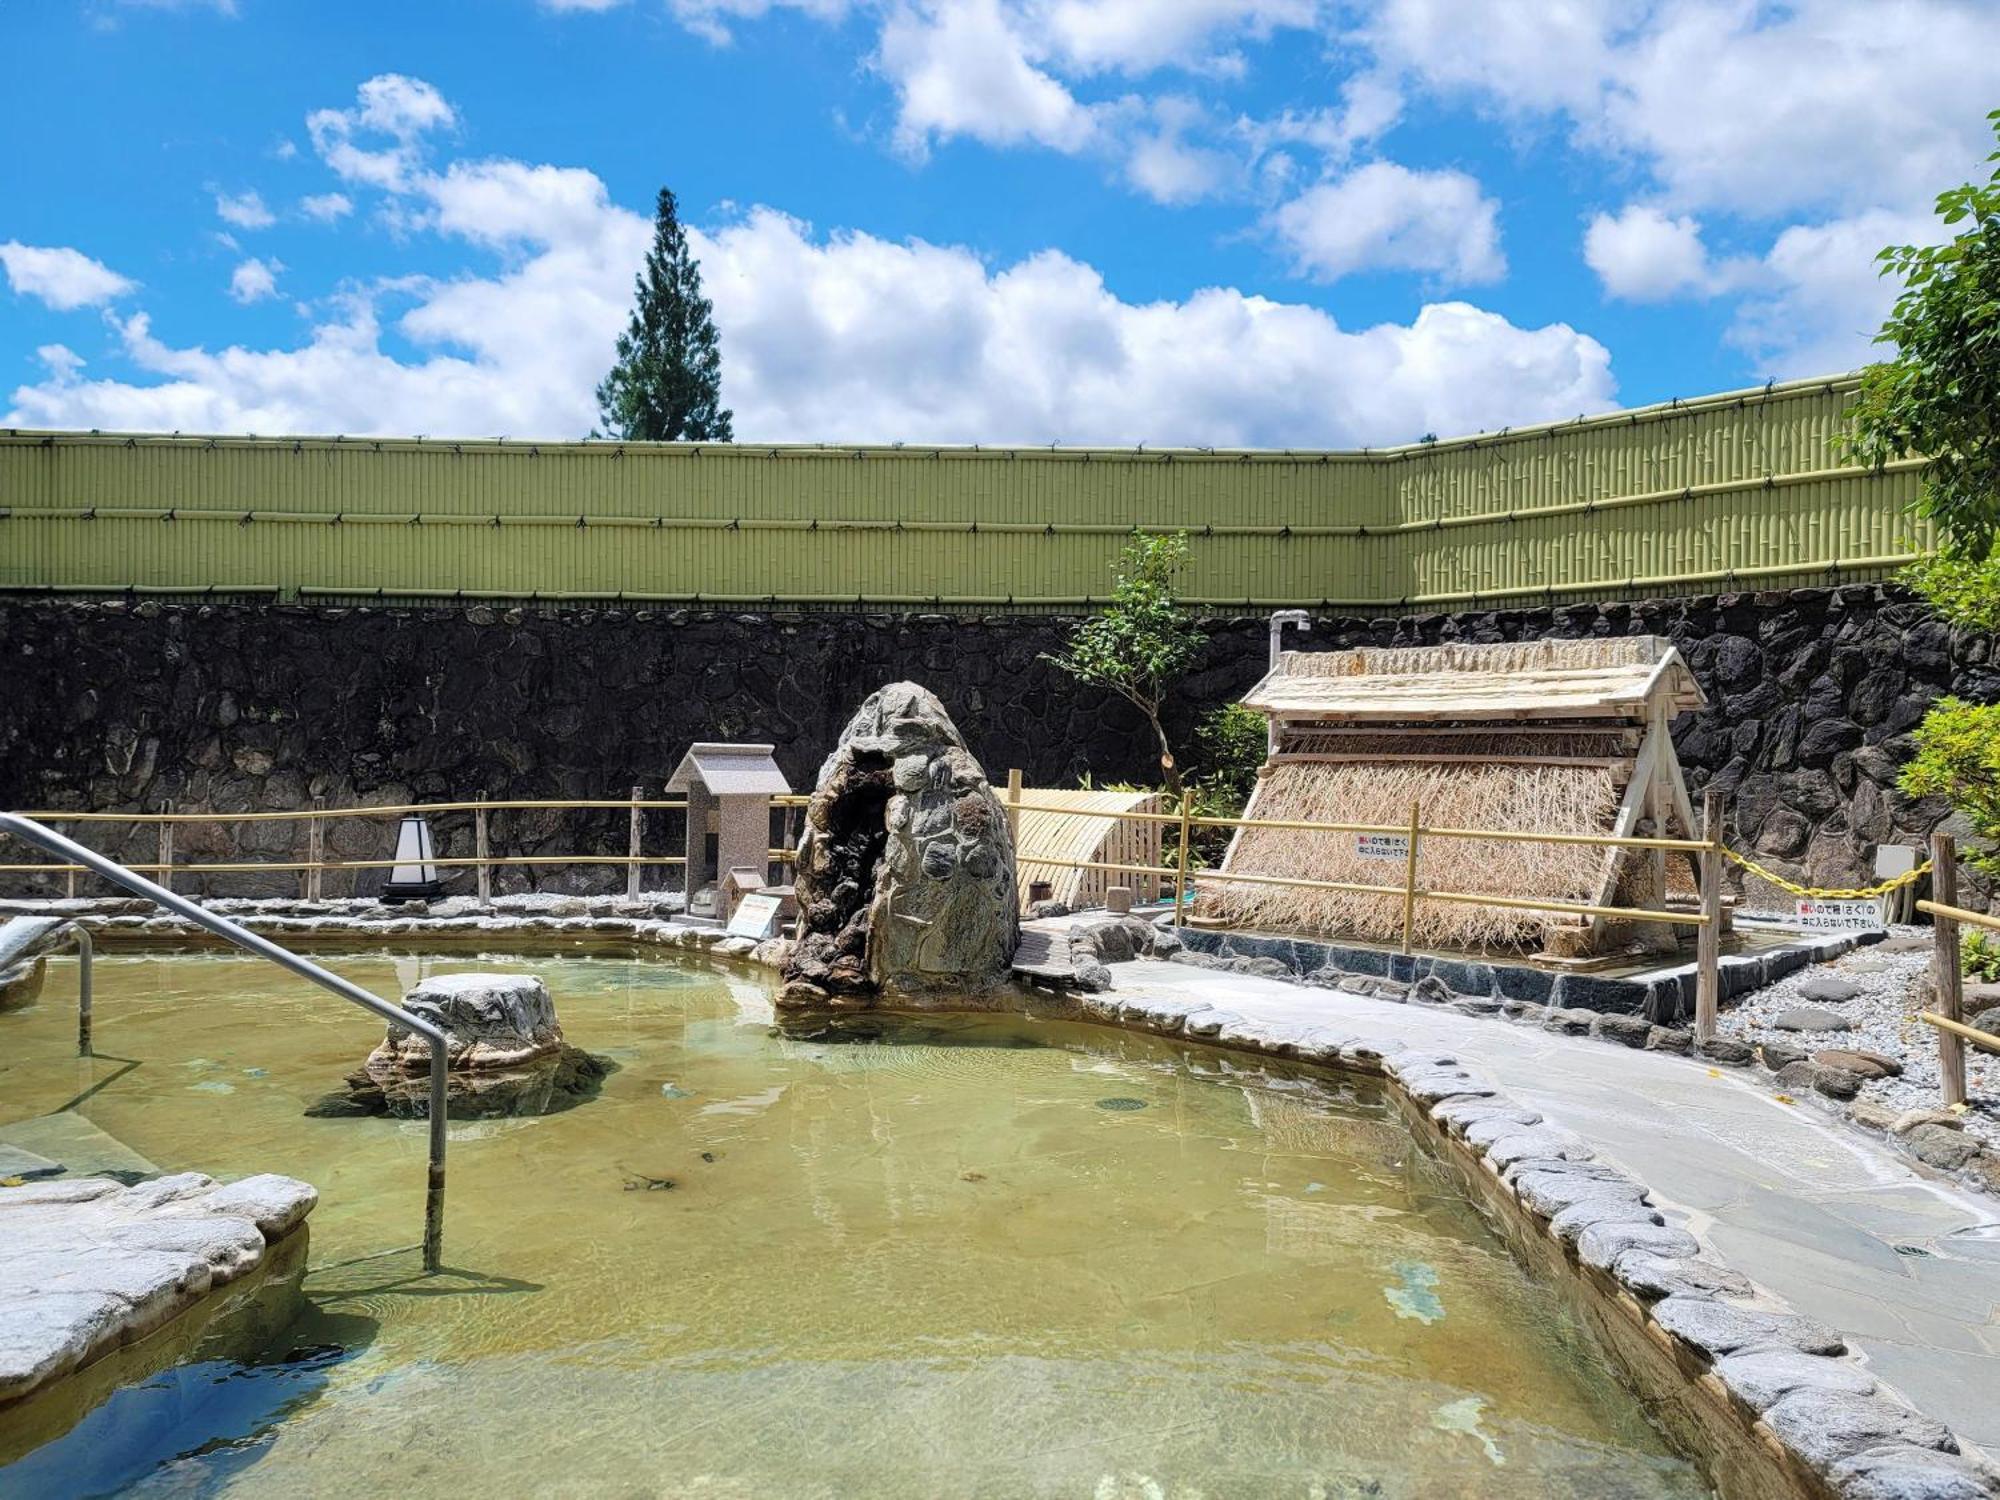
{"points": [[1506, 796], [1612, 677]]}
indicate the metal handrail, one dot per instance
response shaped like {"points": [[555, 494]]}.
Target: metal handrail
{"points": [[51, 842]]}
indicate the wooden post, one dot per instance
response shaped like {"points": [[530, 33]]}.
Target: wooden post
{"points": [[480, 852], [1410, 877], [1946, 974], [309, 883], [1014, 809], [69, 875], [638, 831], [1708, 968], [1187, 837], [166, 871]]}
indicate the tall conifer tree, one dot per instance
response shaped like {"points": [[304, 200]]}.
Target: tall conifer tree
{"points": [[667, 383]]}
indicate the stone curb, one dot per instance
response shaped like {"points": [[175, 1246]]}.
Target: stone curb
{"points": [[1789, 1381]]}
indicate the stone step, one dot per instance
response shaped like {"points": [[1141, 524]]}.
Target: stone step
{"points": [[1044, 955]]}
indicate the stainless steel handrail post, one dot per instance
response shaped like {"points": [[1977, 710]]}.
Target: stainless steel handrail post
{"points": [[51, 842], [85, 952]]}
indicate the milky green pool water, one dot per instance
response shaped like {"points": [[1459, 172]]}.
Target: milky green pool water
{"points": [[982, 1257]]}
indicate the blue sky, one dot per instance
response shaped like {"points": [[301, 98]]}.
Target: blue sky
{"points": [[1268, 222]]}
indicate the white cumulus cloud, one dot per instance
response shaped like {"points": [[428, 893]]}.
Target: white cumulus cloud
{"points": [[326, 207], [254, 280], [1387, 217], [1642, 255], [840, 337], [962, 68], [59, 276], [245, 210], [389, 105]]}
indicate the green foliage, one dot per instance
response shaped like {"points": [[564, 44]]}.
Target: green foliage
{"points": [[1979, 953], [1141, 642], [1232, 741], [667, 383], [1958, 758], [1937, 398], [1963, 592]]}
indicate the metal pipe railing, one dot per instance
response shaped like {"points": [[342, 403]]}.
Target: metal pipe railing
{"points": [[51, 842]]}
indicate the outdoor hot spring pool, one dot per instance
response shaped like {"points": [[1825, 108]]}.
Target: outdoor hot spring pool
{"points": [[971, 1257]]}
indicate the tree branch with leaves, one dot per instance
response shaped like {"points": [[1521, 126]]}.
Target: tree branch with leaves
{"points": [[1142, 641]]}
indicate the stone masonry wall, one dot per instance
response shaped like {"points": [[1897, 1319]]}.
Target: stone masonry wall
{"points": [[232, 707]]}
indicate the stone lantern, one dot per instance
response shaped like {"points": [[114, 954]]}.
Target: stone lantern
{"points": [[729, 790]]}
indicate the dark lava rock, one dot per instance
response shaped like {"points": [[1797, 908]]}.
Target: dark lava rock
{"points": [[1810, 1018], [1569, 1022], [1780, 1055], [1627, 1031], [1669, 1039], [1835, 1083], [1726, 1050]]}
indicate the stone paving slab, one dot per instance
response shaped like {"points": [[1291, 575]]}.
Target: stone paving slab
{"points": [[1795, 1201]]}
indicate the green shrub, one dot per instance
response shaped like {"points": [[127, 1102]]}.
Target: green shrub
{"points": [[1979, 953], [1958, 758]]}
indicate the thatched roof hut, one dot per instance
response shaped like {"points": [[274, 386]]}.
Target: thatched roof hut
{"points": [[1543, 736]]}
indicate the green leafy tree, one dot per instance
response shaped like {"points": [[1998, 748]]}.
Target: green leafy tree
{"points": [[667, 383], [1142, 641], [1939, 398], [1958, 758]]}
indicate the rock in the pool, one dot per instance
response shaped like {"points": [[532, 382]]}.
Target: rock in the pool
{"points": [[489, 1021], [906, 867], [503, 1045], [1810, 1018]]}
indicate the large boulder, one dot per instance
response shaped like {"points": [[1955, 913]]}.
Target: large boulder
{"points": [[503, 1045], [906, 868], [489, 1021]]}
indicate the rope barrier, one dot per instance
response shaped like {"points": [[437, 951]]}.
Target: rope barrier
{"points": [[1815, 893]]}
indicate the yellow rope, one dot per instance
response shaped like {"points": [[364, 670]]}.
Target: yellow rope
{"points": [[1852, 893]]}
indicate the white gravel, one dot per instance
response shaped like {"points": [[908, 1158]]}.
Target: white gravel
{"points": [[1894, 985]]}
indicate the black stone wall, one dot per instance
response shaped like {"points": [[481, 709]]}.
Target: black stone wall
{"points": [[233, 707]]}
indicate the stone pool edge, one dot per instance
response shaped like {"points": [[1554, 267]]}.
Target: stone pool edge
{"points": [[1765, 1401]]}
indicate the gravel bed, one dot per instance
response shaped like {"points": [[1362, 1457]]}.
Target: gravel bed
{"points": [[1894, 982]]}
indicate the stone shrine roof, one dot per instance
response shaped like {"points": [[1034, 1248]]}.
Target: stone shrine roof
{"points": [[730, 770]]}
